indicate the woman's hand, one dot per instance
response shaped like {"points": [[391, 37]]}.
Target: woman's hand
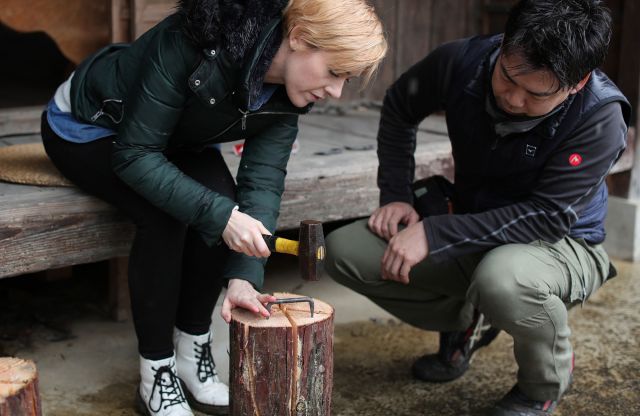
{"points": [[241, 294], [385, 220], [244, 235]]}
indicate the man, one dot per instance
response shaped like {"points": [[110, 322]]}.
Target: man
{"points": [[534, 128]]}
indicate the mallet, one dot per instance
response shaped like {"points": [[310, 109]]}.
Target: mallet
{"points": [[309, 249]]}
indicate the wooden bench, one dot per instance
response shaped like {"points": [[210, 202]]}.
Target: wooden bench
{"points": [[43, 228]]}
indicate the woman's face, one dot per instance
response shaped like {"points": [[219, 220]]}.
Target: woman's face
{"points": [[309, 77]]}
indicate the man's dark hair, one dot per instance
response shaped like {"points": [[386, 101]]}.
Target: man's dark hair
{"points": [[568, 37]]}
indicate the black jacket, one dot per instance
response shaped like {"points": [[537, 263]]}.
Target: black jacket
{"points": [[514, 189]]}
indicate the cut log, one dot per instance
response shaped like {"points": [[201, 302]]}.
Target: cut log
{"points": [[282, 365], [19, 388]]}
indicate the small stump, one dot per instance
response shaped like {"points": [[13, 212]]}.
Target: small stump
{"points": [[282, 365], [18, 388]]}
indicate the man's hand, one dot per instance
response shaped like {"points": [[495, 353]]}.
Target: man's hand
{"points": [[244, 235], [385, 220], [406, 249], [241, 294]]}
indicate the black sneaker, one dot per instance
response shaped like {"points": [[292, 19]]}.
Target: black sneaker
{"points": [[456, 350], [516, 403]]}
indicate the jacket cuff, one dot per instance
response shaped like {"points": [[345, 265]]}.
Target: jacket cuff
{"points": [[241, 266], [212, 234], [389, 198], [432, 241]]}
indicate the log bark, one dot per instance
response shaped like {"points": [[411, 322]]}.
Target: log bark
{"points": [[282, 365], [19, 388]]}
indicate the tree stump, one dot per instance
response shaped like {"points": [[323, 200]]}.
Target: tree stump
{"points": [[19, 388], [282, 365]]}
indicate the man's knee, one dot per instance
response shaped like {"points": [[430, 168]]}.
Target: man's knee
{"points": [[351, 255], [503, 286]]}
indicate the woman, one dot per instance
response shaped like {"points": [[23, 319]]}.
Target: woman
{"points": [[136, 125]]}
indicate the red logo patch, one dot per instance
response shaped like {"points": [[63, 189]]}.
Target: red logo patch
{"points": [[575, 159]]}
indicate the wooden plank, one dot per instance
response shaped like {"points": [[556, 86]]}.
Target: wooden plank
{"points": [[413, 33], [58, 227], [453, 19], [614, 62], [20, 120], [146, 13], [120, 30], [625, 163], [629, 83], [387, 10]]}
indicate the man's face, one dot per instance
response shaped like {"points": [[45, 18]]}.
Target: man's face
{"points": [[520, 93]]}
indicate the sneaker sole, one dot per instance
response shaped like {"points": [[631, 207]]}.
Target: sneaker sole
{"points": [[141, 407], [203, 407], [440, 373]]}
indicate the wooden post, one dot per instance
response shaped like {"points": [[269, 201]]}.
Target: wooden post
{"points": [[19, 388], [119, 304], [282, 365]]}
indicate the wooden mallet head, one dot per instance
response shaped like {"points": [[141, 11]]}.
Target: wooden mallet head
{"points": [[311, 251]]}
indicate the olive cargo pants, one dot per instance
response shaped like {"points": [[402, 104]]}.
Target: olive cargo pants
{"points": [[523, 289]]}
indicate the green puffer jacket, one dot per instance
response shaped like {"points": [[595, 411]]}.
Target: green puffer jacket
{"points": [[163, 93]]}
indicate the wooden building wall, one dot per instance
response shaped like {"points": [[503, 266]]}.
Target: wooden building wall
{"points": [[414, 28]]}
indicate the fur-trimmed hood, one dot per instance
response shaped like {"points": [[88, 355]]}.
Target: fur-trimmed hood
{"points": [[232, 24]]}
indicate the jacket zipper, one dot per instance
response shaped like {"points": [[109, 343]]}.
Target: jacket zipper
{"points": [[243, 120], [246, 114]]}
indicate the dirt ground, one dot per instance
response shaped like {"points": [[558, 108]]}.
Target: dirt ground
{"points": [[372, 357]]}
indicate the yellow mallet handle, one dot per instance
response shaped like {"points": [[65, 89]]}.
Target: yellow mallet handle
{"points": [[281, 245], [287, 246]]}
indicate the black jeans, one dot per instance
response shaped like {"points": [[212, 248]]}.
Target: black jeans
{"points": [[174, 277]]}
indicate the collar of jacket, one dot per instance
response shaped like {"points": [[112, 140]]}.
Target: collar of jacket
{"points": [[232, 24], [480, 86], [256, 64]]}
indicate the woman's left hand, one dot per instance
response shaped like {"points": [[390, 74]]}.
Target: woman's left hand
{"points": [[240, 293]]}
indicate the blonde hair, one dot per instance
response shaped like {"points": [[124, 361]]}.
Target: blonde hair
{"points": [[349, 29]]}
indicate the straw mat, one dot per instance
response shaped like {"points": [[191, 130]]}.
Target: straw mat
{"points": [[29, 164]]}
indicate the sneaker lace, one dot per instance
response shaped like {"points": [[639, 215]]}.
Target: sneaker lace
{"points": [[206, 365], [478, 329], [168, 387]]}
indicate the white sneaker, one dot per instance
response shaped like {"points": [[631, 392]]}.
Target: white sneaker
{"points": [[160, 392], [196, 369]]}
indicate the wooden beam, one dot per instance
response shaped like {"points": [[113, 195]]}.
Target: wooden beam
{"points": [[120, 21], [629, 77], [119, 304]]}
